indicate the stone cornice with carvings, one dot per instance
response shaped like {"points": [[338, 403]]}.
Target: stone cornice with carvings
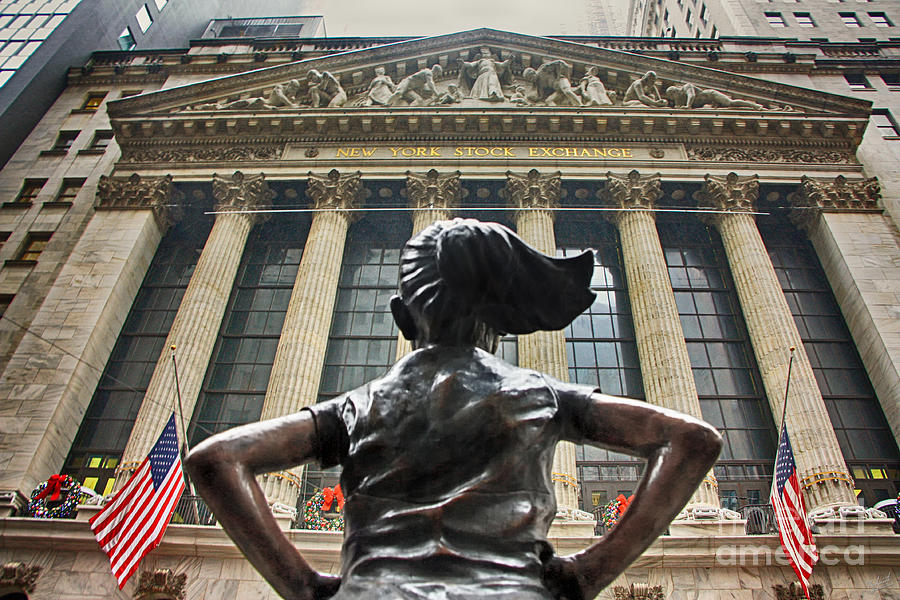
{"points": [[533, 190], [433, 190], [633, 190], [239, 192], [733, 193], [334, 191], [137, 192], [815, 196], [19, 576]]}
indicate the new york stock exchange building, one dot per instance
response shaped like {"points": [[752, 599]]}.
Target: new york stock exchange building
{"points": [[245, 202]]}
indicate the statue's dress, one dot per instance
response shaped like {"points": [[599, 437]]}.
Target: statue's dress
{"points": [[446, 470], [487, 82]]}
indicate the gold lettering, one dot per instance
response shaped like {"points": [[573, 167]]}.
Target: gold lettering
{"points": [[408, 152], [615, 153], [342, 152], [457, 151], [533, 152], [435, 151], [598, 152], [394, 151], [626, 153], [368, 152], [571, 151], [508, 152]]}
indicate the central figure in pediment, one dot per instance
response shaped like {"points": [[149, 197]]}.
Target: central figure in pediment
{"points": [[483, 78]]}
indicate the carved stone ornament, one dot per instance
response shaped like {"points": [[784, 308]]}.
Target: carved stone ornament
{"points": [[795, 592], [138, 193], [639, 591], [161, 584], [206, 154], [688, 95], [731, 193], [633, 190], [334, 191], [19, 576], [837, 193], [533, 190], [433, 190], [241, 192], [757, 155]]}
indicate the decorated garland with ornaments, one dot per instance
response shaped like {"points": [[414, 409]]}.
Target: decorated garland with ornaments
{"points": [[56, 498], [614, 510], [321, 502]]}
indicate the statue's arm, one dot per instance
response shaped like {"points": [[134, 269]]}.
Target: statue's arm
{"points": [[679, 451], [223, 469]]}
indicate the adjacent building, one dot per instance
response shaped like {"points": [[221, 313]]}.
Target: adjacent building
{"points": [[245, 201]]}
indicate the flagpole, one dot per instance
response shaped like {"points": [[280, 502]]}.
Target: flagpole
{"points": [[184, 442], [787, 387]]}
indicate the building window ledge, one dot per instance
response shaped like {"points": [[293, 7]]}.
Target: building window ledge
{"points": [[54, 152], [20, 263], [83, 111], [57, 204], [17, 204], [92, 152]]}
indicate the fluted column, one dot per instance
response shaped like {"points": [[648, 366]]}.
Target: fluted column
{"points": [[665, 364], [820, 465], [536, 196], [431, 197], [297, 369], [196, 325]]}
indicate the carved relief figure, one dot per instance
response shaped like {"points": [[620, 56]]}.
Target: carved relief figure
{"points": [[551, 83], [418, 89], [381, 88], [483, 76], [518, 98], [447, 457], [593, 92], [689, 95], [325, 89], [643, 92], [283, 95], [451, 96]]}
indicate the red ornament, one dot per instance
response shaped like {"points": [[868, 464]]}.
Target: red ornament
{"points": [[54, 486], [330, 495]]}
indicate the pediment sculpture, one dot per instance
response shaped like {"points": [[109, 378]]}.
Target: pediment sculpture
{"points": [[487, 81]]}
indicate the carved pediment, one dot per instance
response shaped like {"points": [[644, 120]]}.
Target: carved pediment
{"points": [[483, 69]]}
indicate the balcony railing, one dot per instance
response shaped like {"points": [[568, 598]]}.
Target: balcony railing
{"points": [[192, 510]]}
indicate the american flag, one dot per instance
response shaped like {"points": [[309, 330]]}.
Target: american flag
{"points": [[134, 521], [796, 537]]}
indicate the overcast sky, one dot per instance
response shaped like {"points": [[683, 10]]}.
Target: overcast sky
{"points": [[430, 17]]}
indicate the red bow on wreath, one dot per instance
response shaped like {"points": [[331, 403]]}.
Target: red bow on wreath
{"points": [[54, 487], [623, 503], [330, 495]]}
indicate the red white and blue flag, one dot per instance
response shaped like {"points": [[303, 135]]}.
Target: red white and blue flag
{"points": [[790, 512], [134, 521]]}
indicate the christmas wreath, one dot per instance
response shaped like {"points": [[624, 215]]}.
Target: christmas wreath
{"points": [[614, 510], [56, 498], [322, 501]]}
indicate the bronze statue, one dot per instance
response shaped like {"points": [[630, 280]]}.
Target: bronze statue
{"points": [[447, 457]]}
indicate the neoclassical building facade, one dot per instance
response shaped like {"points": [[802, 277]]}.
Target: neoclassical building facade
{"points": [[230, 250]]}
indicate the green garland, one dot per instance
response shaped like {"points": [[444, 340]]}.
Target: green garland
{"points": [[312, 515], [38, 509]]}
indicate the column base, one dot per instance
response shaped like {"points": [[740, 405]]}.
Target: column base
{"points": [[850, 520]]}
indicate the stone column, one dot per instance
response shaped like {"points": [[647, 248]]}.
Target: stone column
{"points": [[536, 196], [49, 381], [431, 197], [196, 325], [820, 465], [665, 364], [297, 369]]}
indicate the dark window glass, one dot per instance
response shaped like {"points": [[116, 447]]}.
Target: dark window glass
{"points": [[68, 190], [238, 374], [725, 372], [93, 101], [30, 189], [35, 243], [110, 416], [64, 141], [102, 140], [855, 412]]}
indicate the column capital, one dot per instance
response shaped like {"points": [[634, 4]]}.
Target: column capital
{"points": [[815, 195], [733, 193], [632, 191], [334, 191], [139, 193], [432, 190], [241, 192], [533, 190]]}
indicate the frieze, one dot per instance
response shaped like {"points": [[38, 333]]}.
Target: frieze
{"points": [[593, 153], [639, 591], [769, 155], [204, 154]]}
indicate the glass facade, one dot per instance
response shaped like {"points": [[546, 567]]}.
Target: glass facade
{"points": [[110, 416], [24, 24], [728, 383], [235, 384]]}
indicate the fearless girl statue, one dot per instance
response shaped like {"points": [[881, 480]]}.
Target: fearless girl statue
{"points": [[447, 457]]}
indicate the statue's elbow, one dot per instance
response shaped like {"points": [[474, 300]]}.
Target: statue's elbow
{"points": [[205, 462], [705, 443]]}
